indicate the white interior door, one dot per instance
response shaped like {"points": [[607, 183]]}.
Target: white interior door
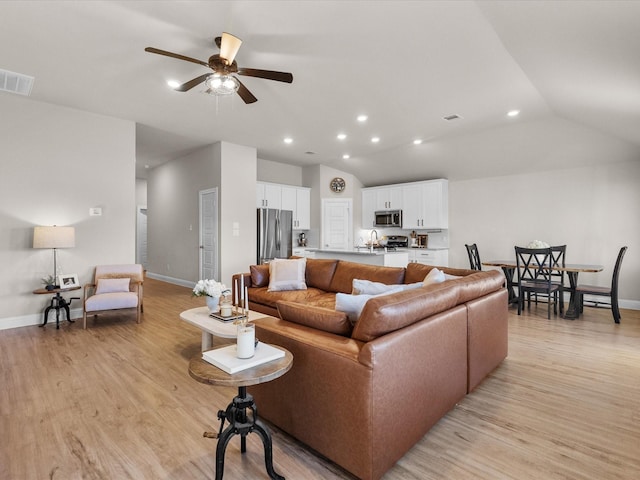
{"points": [[337, 220], [141, 237], [209, 233]]}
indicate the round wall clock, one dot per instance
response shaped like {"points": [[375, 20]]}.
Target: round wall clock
{"points": [[337, 184]]}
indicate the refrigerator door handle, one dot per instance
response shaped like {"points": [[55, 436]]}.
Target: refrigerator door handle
{"points": [[278, 233]]}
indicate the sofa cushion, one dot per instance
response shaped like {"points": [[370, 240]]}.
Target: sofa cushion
{"points": [[434, 276], [416, 272], [319, 273], [367, 287], [385, 314], [352, 305], [313, 296], [259, 275], [287, 274], [111, 301], [331, 321], [346, 271], [112, 285]]}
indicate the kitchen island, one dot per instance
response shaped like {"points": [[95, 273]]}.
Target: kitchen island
{"points": [[364, 255]]}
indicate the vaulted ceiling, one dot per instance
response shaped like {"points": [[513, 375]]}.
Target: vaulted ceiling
{"points": [[572, 69]]}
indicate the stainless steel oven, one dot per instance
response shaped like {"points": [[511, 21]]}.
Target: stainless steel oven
{"points": [[388, 218]]}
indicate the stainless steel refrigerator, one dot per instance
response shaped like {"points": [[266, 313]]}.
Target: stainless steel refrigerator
{"points": [[274, 234]]}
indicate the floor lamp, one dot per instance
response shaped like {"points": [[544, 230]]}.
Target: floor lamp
{"points": [[54, 237]]}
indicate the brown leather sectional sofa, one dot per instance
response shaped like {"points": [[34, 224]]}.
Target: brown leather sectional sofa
{"points": [[363, 395]]}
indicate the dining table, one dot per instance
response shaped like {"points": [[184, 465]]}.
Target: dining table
{"points": [[571, 269]]}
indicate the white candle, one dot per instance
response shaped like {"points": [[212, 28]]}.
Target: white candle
{"points": [[246, 298], [225, 310], [245, 347], [241, 290], [236, 291]]}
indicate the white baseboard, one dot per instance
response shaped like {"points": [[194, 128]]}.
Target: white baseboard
{"points": [[175, 281], [37, 319]]}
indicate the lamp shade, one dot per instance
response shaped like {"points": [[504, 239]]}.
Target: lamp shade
{"points": [[54, 237]]}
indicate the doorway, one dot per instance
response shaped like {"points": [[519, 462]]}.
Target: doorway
{"points": [[209, 234], [337, 221], [141, 236]]}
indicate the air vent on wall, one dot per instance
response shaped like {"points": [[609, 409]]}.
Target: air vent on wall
{"points": [[15, 82], [449, 118]]}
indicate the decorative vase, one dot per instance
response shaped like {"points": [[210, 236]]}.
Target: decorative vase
{"points": [[213, 303]]}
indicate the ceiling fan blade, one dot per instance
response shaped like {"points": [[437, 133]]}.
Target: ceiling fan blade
{"points": [[229, 46], [175, 55], [268, 74], [244, 92], [192, 83]]}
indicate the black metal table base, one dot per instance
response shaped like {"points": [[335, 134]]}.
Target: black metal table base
{"points": [[241, 423], [58, 302]]}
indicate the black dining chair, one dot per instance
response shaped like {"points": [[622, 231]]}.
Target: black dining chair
{"points": [[474, 257], [557, 276], [533, 267], [611, 292]]}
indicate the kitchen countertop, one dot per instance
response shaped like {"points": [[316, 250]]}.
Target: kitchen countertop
{"points": [[360, 251]]}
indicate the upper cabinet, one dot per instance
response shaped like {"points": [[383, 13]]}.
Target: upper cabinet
{"points": [[268, 195], [389, 198], [287, 197], [424, 205], [298, 200]]}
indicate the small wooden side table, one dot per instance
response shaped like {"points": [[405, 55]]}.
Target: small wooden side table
{"points": [[240, 423], [57, 303]]}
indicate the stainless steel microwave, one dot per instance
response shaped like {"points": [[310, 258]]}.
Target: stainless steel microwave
{"points": [[388, 218]]}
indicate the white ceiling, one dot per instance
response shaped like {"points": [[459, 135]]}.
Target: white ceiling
{"points": [[572, 68]]}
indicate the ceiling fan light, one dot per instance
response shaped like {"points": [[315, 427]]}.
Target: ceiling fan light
{"points": [[229, 46], [221, 84]]}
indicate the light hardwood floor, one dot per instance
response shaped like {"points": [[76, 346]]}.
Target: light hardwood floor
{"points": [[116, 402]]}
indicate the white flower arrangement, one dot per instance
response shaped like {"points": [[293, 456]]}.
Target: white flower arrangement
{"points": [[538, 244], [209, 288]]}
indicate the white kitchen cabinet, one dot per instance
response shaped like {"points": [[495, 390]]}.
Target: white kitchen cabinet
{"points": [[438, 258], [389, 198], [268, 195], [413, 211], [298, 200], [426, 205], [436, 204], [368, 207]]}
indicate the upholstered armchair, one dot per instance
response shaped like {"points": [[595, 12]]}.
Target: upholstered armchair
{"points": [[115, 287]]}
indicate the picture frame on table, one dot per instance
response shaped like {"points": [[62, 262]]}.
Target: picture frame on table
{"points": [[68, 280]]}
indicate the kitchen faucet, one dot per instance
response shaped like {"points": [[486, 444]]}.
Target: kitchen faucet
{"points": [[371, 239]]}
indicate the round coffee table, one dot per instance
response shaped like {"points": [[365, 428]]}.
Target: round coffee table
{"points": [[236, 413]]}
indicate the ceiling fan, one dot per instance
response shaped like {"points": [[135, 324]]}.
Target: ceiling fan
{"points": [[222, 81]]}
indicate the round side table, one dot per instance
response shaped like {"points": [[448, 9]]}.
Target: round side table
{"points": [[57, 303], [240, 423]]}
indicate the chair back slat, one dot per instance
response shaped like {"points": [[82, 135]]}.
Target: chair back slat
{"points": [[474, 257]]}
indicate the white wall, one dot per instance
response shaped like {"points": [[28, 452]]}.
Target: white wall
{"points": [[173, 212], [276, 172], [57, 163], [593, 210]]}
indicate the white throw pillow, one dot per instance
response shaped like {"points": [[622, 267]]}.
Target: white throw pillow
{"points": [[451, 277], [287, 274], [112, 285], [367, 287], [352, 305], [434, 276]]}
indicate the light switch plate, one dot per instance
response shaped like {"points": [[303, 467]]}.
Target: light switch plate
{"points": [[95, 212]]}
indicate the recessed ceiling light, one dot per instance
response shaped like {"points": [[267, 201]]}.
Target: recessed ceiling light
{"points": [[346, 156], [375, 139], [362, 118], [341, 136], [417, 141], [513, 113], [173, 83], [288, 140]]}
